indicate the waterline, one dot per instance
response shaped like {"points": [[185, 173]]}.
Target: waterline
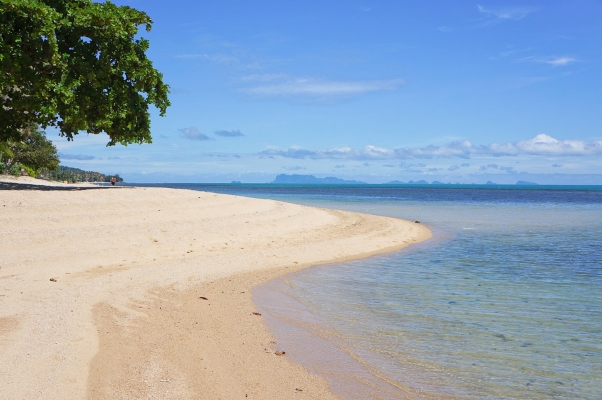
{"points": [[503, 302]]}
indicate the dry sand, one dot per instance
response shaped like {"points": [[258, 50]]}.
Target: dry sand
{"points": [[101, 291], [25, 181]]}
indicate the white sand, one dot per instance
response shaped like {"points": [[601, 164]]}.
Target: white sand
{"points": [[124, 318], [28, 180]]}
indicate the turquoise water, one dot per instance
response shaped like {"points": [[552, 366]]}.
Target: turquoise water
{"points": [[504, 302]]}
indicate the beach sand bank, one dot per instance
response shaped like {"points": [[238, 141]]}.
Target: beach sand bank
{"points": [[146, 292]]}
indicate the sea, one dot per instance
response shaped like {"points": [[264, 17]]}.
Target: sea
{"points": [[504, 302]]}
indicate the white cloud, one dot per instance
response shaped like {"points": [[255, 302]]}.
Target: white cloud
{"points": [[508, 170], [553, 61], [193, 133], [513, 13], [263, 77], [546, 145], [283, 86], [219, 58], [540, 145], [491, 17], [561, 61], [66, 156], [190, 56], [509, 52]]}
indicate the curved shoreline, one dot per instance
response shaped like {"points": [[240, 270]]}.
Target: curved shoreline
{"points": [[121, 258]]}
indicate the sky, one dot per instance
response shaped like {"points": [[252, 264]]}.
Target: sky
{"points": [[456, 91]]}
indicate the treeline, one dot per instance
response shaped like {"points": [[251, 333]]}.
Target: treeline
{"points": [[76, 175], [28, 153]]}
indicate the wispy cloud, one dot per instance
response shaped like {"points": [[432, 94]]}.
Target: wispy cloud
{"points": [[293, 168], [232, 133], [66, 156], [284, 86], [264, 77], [508, 170], [457, 167], [219, 58], [491, 16], [193, 133], [560, 61], [511, 13], [553, 61], [540, 145], [510, 52]]}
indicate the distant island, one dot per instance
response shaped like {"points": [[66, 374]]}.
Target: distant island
{"points": [[331, 180], [310, 179]]}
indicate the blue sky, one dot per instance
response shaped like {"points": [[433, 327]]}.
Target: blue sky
{"points": [[377, 91]]}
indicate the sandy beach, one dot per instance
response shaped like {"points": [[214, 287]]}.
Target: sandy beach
{"points": [[130, 293]]}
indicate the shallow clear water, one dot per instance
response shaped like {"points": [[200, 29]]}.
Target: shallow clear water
{"points": [[504, 302]]}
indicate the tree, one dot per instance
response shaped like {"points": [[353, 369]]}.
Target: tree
{"points": [[5, 151], [77, 175], [78, 66], [33, 151]]}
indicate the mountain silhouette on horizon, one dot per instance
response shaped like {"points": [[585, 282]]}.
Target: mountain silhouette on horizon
{"points": [[310, 179]]}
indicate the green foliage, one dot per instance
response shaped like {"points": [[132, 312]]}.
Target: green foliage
{"points": [[30, 171], [13, 170], [5, 151], [77, 175], [77, 65], [33, 150]]}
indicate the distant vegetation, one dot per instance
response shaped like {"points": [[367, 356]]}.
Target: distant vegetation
{"points": [[29, 153], [77, 175], [34, 155]]}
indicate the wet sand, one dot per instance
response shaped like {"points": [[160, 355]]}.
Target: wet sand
{"points": [[146, 292]]}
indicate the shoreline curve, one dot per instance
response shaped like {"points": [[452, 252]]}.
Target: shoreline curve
{"points": [[126, 314]]}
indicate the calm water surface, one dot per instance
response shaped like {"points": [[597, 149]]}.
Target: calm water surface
{"points": [[504, 302]]}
